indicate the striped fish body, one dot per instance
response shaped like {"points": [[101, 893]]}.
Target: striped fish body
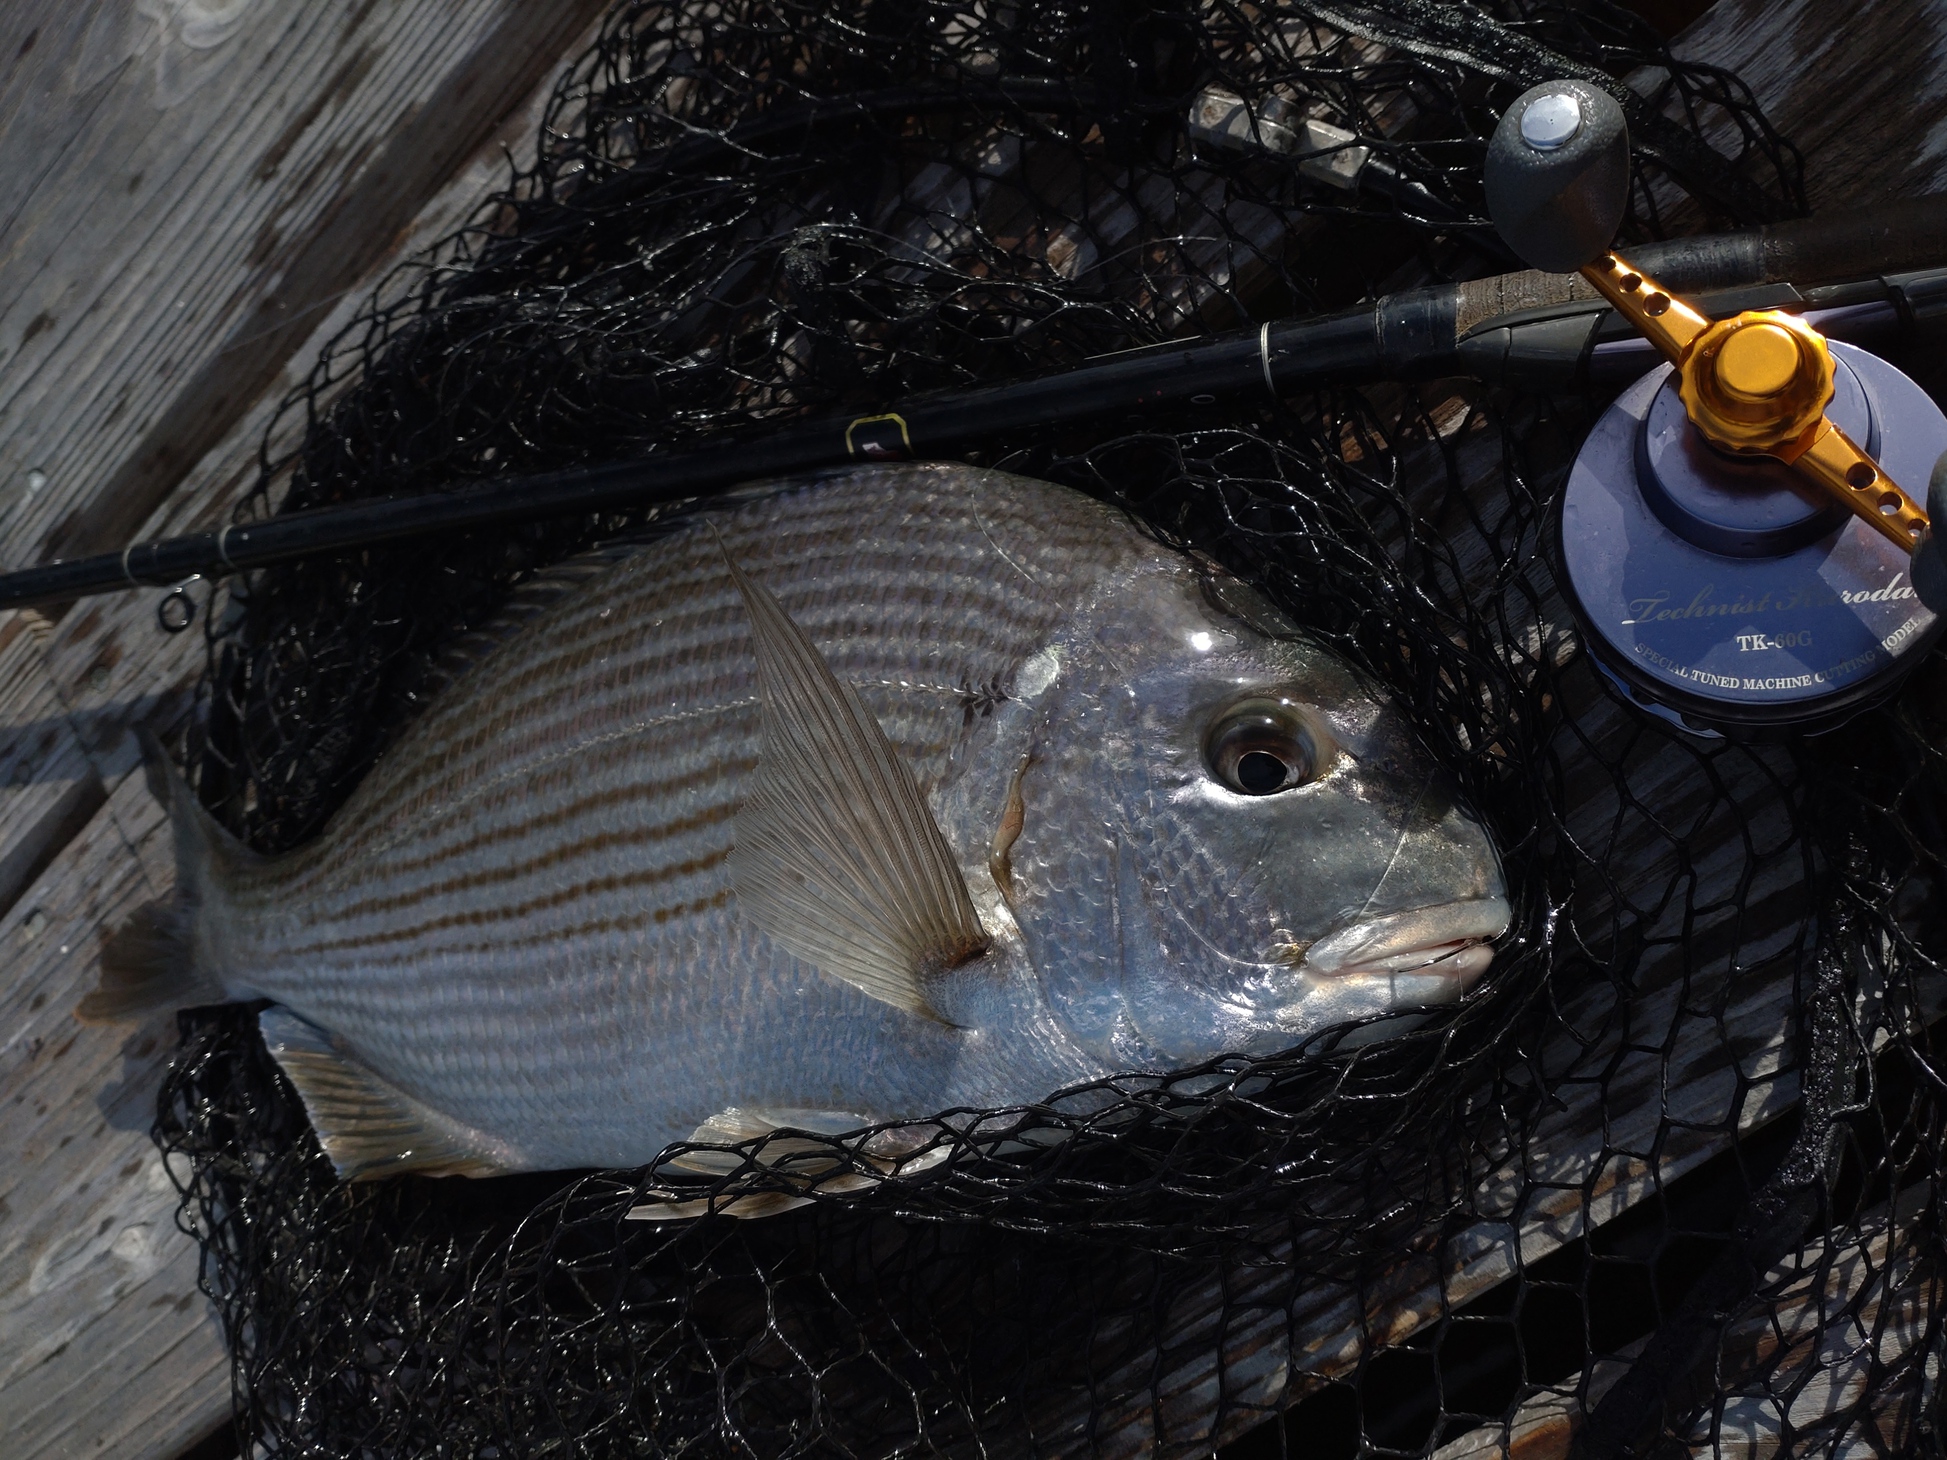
{"points": [[524, 915], [523, 944]]}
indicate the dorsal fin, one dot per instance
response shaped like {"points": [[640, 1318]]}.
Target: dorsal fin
{"points": [[529, 600], [367, 1127], [535, 595], [837, 855]]}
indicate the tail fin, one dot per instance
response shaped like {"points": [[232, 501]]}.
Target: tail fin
{"points": [[149, 963]]}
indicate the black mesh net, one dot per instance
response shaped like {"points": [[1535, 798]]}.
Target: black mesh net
{"points": [[1675, 1162]]}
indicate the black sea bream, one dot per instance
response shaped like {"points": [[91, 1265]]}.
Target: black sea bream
{"points": [[859, 798]]}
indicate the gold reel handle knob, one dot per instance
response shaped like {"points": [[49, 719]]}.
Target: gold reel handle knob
{"points": [[1759, 384]]}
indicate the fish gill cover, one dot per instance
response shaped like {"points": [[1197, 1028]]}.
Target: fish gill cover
{"points": [[1713, 1021]]}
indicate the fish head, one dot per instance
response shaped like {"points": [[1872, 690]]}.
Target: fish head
{"points": [[1276, 852]]}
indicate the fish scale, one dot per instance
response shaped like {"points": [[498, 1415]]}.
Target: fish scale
{"points": [[612, 815], [531, 937]]}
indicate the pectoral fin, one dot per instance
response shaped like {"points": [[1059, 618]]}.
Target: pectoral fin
{"points": [[837, 856], [368, 1128]]}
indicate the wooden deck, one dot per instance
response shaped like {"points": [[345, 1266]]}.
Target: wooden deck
{"points": [[192, 205]]}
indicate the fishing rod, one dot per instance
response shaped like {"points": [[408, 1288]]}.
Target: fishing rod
{"points": [[1524, 329]]}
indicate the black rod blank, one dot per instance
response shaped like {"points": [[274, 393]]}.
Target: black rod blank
{"points": [[1416, 335]]}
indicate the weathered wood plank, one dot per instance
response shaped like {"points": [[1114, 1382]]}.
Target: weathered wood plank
{"points": [[1840, 1314], [1818, 1369], [105, 1348], [48, 788], [109, 662], [98, 1300], [1858, 87], [1544, 1427], [164, 253]]}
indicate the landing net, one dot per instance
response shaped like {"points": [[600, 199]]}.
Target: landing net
{"points": [[1692, 1116]]}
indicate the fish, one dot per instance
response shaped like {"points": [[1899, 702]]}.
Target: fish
{"points": [[858, 797]]}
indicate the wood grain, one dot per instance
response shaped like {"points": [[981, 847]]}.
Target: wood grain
{"points": [[48, 788], [185, 204], [1813, 1373], [1857, 86], [99, 1310], [105, 1346], [1844, 1317]]}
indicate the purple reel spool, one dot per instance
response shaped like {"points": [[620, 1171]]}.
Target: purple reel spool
{"points": [[1728, 596]]}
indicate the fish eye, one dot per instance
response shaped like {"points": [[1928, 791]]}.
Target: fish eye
{"points": [[1264, 746]]}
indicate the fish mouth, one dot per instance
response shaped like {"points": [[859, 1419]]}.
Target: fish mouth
{"points": [[1449, 940]]}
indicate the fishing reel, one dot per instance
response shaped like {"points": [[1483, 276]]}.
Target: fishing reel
{"points": [[1738, 533]]}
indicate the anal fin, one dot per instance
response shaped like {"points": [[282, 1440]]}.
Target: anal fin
{"points": [[368, 1128]]}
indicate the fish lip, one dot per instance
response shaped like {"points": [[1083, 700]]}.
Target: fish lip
{"points": [[1434, 940]]}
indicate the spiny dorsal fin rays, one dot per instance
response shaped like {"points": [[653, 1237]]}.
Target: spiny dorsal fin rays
{"points": [[837, 855]]}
